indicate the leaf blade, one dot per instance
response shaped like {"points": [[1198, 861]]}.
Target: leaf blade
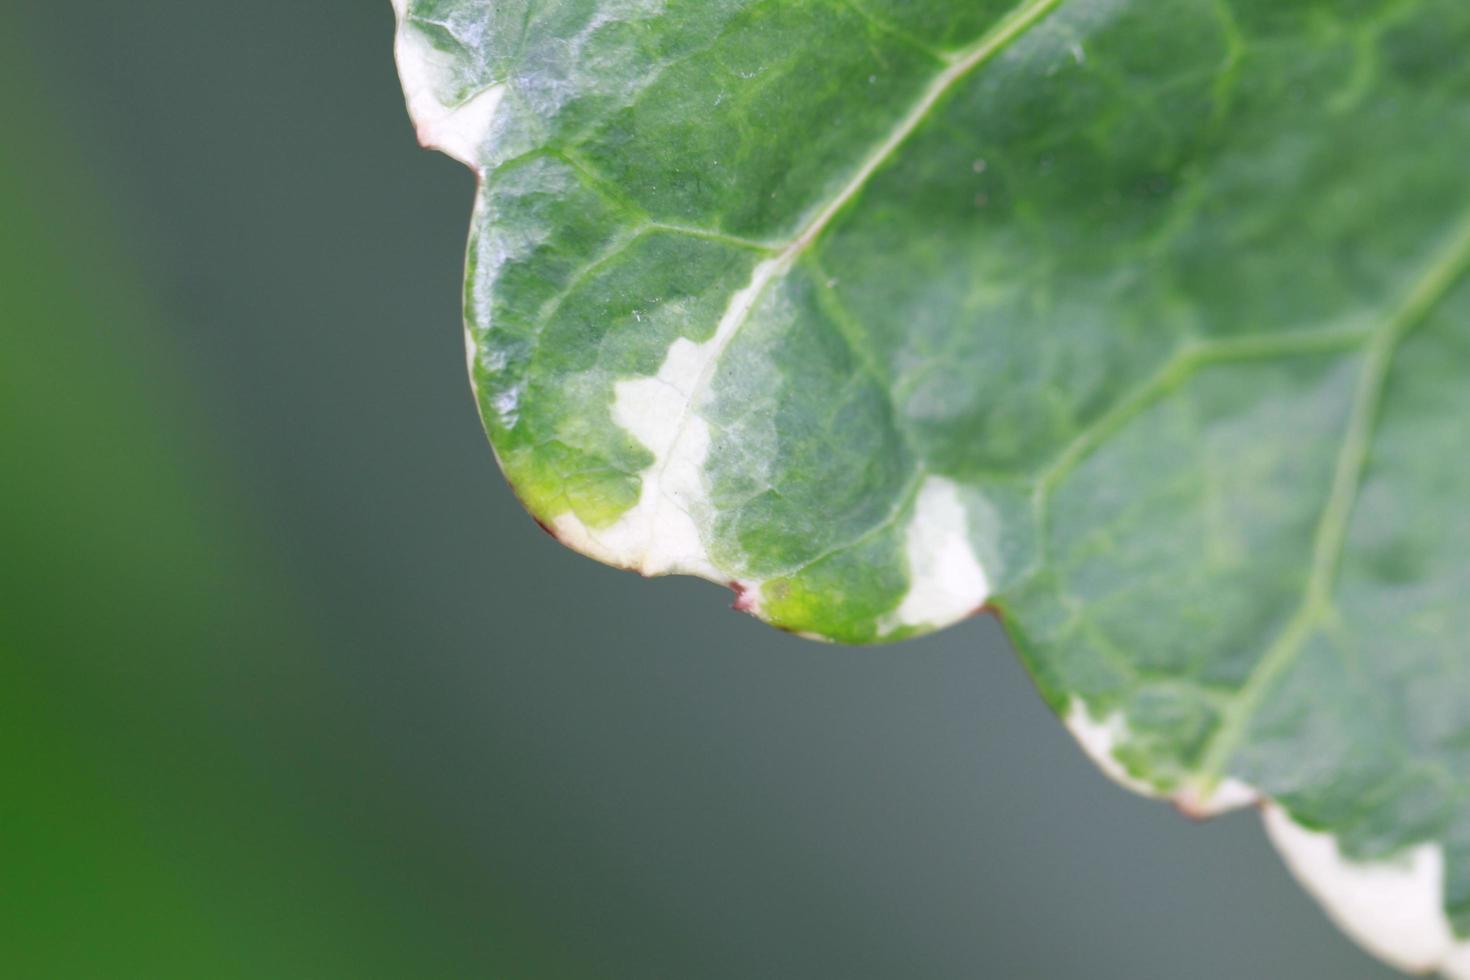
{"points": [[1086, 310]]}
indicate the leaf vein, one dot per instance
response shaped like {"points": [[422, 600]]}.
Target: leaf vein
{"points": [[1006, 31], [1447, 265]]}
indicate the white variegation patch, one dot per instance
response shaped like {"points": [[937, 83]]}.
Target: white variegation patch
{"points": [[946, 579], [1229, 794], [471, 353], [457, 129], [663, 532], [1100, 740], [1394, 908]]}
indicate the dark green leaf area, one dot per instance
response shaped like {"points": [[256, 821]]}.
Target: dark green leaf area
{"points": [[1145, 324]]}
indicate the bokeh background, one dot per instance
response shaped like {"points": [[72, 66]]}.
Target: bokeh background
{"points": [[291, 688]]}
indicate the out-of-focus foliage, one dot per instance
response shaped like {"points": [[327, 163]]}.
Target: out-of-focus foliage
{"points": [[175, 801]]}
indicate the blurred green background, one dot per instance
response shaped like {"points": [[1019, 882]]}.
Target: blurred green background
{"points": [[291, 688]]}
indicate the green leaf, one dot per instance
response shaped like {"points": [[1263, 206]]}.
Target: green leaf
{"points": [[1144, 324]]}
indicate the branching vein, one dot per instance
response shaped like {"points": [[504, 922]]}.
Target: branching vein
{"points": [[1447, 266]]}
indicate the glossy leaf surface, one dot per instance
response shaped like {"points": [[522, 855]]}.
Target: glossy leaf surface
{"points": [[1144, 323]]}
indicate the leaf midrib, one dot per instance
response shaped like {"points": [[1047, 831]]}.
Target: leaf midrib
{"points": [[997, 39], [1006, 31]]}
